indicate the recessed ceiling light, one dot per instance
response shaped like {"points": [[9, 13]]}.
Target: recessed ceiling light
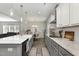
{"points": [[21, 5], [44, 3], [38, 12], [11, 12]]}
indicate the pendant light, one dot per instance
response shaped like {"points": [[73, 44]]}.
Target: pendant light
{"points": [[44, 3], [11, 11], [21, 19]]}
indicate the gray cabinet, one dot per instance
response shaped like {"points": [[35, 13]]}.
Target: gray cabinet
{"points": [[53, 43], [47, 42], [64, 52], [52, 47], [15, 49], [10, 50], [55, 49], [30, 43]]}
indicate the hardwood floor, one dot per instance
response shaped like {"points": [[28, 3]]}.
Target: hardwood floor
{"points": [[39, 49]]}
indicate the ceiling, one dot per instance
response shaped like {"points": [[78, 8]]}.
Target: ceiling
{"points": [[29, 10]]}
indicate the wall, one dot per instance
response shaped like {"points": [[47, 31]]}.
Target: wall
{"points": [[7, 23], [24, 25], [76, 30], [40, 28], [34, 20], [11, 22]]}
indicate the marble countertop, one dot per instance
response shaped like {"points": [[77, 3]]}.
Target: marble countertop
{"points": [[70, 46], [17, 39]]}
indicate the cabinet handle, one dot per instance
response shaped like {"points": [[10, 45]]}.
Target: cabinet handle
{"points": [[60, 54], [63, 54]]}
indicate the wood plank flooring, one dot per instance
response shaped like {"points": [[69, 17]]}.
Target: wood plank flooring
{"points": [[39, 49]]}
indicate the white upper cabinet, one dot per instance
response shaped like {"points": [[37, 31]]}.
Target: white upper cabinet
{"points": [[58, 16], [65, 14], [74, 14], [62, 14]]}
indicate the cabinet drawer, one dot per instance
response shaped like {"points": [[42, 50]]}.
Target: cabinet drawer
{"points": [[64, 52], [53, 43], [10, 50], [54, 51]]}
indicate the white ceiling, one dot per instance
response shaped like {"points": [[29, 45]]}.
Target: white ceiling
{"points": [[29, 9]]}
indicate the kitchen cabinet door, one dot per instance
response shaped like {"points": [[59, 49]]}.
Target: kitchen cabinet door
{"points": [[54, 51], [64, 14], [54, 44], [58, 15], [63, 52], [74, 14], [46, 41], [30, 43]]}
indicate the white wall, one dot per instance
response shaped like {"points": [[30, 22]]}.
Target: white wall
{"points": [[24, 26], [76, 31], [29, 21], [40, 28]]}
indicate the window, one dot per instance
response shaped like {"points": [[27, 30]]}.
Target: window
{"points": [[10, 28], [5, 28], [16, 28]]}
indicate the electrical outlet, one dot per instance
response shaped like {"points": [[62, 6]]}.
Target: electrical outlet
{"points": [[10, 49]]}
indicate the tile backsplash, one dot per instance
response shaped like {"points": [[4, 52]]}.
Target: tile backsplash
{"points": [[75, 30]]}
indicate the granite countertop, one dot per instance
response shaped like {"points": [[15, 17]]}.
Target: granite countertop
{"points": [[17, 39], [70, 46]]}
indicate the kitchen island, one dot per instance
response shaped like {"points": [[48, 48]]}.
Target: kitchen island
{"points": [[17, 45]]}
